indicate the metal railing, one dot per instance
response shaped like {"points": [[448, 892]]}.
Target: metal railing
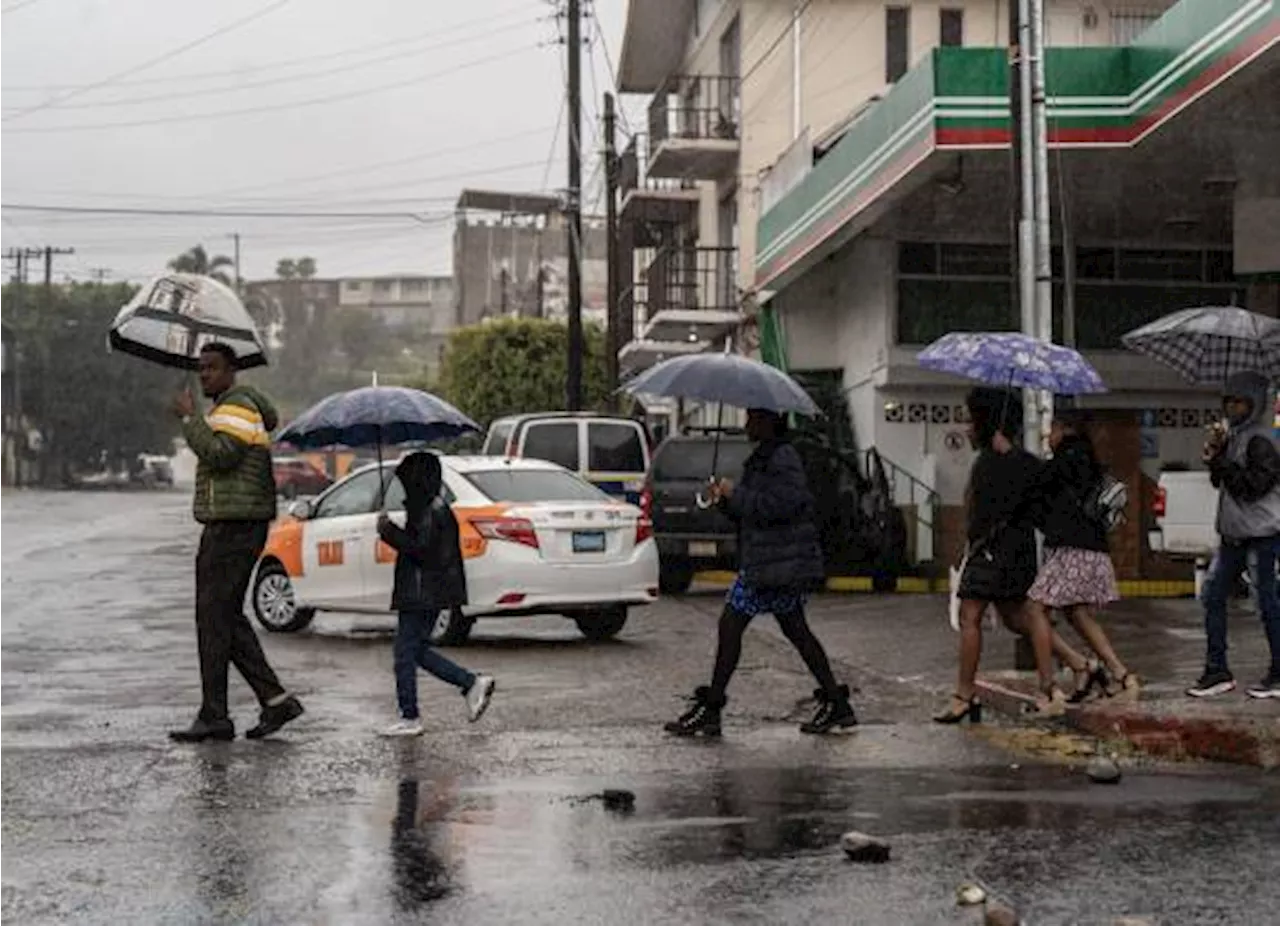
{"points": [[694, 107], [633, 170], [908, 491], [692, 278]]}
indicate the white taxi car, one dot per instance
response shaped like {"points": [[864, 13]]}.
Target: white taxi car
{"points": [[536, 539]]}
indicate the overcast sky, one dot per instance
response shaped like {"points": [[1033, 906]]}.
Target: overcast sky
{"points": [[377, 107]]}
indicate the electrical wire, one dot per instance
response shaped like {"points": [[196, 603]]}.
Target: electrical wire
{"points": [[14, 8], [297, 104], [150, 62], [222, 213], [310, 75], [773, 46], [275, 65]]}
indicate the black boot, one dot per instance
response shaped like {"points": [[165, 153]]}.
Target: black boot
{"points": [[834, 710], [202, 730], [703, 716], [276, 716]]}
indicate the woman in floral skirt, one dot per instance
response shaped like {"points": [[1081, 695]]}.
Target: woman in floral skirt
{"points": [[1077, 576]]}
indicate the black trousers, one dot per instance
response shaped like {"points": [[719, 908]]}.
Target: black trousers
{"points": [[224, 565]]}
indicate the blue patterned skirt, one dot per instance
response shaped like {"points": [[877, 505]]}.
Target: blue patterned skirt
{"points": [[749, 601]]}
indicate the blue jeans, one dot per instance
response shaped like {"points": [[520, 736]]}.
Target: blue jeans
{"points": [[1223, 573], [413, 651]]}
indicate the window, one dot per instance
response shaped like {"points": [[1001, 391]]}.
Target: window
{"points": [[896, 30], [358, 495], [354, 286], [382, 286], [531, 485], [496, 443], [951, 28], [614, 448], [395, 493], [556, 442], [695, 460]]}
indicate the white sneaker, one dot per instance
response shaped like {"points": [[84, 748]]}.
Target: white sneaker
{"points": [[478, 696], [404, 728]]}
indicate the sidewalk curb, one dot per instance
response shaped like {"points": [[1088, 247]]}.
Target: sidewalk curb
{"points": [[916, 585], [1216, 739]]}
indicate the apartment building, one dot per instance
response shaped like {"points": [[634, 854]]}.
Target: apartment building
{"points": [[855, 157]]}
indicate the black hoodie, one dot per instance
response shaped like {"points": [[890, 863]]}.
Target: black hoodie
{"points": [[1064, 484], [429, 572]]}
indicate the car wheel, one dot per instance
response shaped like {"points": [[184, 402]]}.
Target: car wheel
{"points": [[289, 491], [675, 578], [451, 628], [602, 625], [884, 582], [273, 601]]}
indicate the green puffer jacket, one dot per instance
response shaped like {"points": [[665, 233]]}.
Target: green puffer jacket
{"points": [[234, 478]]}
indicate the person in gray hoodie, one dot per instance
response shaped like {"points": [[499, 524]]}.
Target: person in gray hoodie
{"points": [[1244, 466]]}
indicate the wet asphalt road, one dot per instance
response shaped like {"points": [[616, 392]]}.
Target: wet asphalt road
{"points": [[106, 822]]}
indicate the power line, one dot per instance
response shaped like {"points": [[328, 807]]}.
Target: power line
{"points": [[273, 81], [222, 213], [608, 60], [776, 42], [298, 104], [274, 65], [152, 62], [16, 6]]}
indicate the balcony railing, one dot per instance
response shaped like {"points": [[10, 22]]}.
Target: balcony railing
{"points": [[695, 107], [633, 171], [692, 278]]}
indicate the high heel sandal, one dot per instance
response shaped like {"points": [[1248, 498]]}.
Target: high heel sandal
{"points": [[1051, 703], [1128, 688], [1096, 677], [960, 709]]}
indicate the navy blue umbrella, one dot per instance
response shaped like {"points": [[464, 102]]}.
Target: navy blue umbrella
{"points": [[376, 415], [729, 379]]}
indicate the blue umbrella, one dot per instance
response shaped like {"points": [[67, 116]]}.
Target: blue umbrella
{"points": [[376, 415], [729, 379], [1013, 360]]}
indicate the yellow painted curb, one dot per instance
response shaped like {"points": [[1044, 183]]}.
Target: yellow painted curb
{"points": [[914, 585]]}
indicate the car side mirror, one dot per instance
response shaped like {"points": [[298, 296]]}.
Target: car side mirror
{"points": [[301, 509]]}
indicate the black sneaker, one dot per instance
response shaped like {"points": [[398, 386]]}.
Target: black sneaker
{"points": [[275, 716], [202, 730], [1269, 687], [703, 716], [1213, 682], [833, 711]]}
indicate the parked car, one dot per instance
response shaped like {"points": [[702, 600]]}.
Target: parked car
{"points": [[298, 476], [536, 539], [610, 451], [1185, 508], [152, 470], [859, 535]]}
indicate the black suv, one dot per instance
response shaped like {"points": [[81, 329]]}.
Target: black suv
{"points": [[860, 535]]}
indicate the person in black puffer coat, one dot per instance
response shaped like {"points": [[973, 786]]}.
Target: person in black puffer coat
{"points": [[780, 562], [1077, 576], [429, 578], [1000, 562]]}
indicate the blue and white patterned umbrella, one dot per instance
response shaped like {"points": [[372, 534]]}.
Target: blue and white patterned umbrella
{"points": [[1206, 345], [376, 415], [1012, 359]]}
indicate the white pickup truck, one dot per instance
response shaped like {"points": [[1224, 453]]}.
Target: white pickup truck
{"points": [[1185, 509]]}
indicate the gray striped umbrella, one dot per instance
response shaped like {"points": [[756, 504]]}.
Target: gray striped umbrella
{"points": [[1208, 344]]}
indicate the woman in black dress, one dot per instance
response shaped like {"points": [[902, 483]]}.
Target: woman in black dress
{"points": [[1000, 563]]}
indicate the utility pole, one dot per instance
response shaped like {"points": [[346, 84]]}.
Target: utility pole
{"points": [[235, 238], [614, 288], [574, 207], [1040, 171]]}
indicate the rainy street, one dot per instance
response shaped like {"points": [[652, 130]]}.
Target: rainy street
{"points": [[105, 821]]}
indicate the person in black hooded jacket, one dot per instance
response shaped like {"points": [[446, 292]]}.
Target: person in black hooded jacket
{"points": [[1000, 559], [429, 577], [780, 561]]}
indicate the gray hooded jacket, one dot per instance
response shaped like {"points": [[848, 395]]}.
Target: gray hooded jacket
{"points": [[1247, 471]]}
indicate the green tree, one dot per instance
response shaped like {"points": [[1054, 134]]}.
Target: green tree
{"points": [[515, 365], [197, 260], [286, 268], [359, 337], [89, 405], [306, 267]]}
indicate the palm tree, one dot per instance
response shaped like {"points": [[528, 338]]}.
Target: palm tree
{"points": [[197, 260]]}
